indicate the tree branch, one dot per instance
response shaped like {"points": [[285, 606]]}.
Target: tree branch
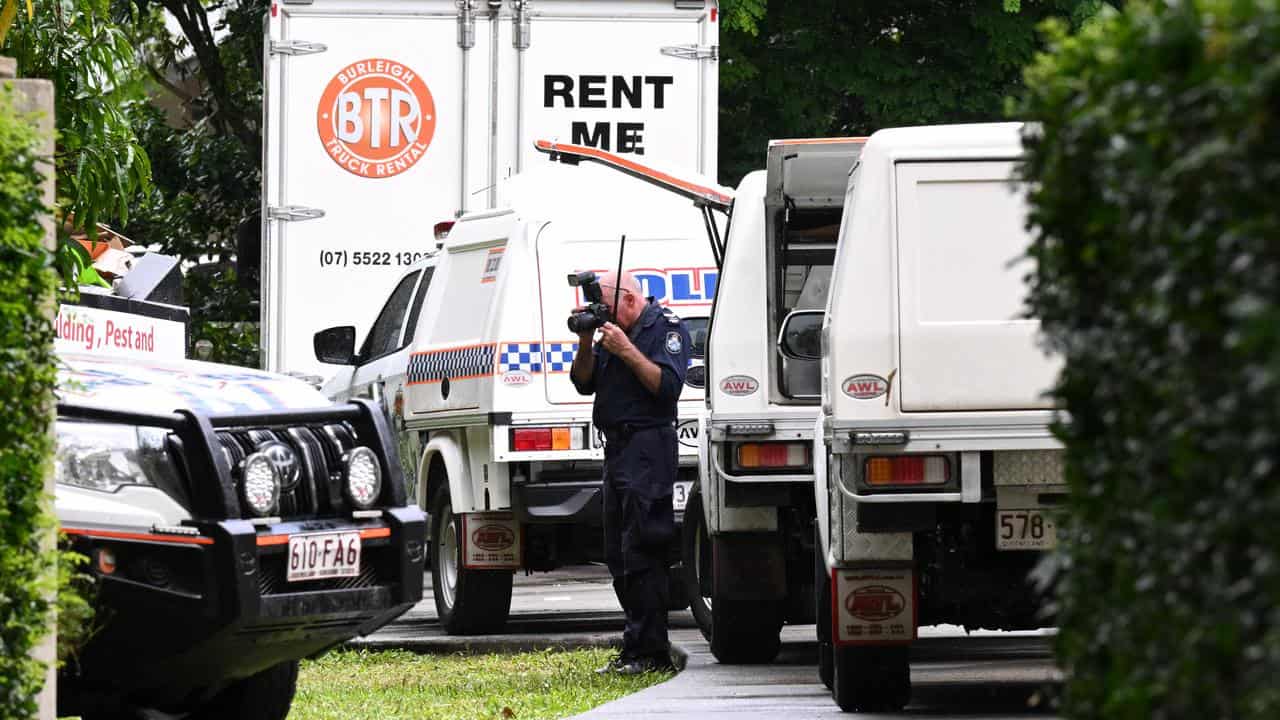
{"points": [[194, 21]]}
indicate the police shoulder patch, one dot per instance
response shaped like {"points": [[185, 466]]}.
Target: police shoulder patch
{"points": [[674, 343]]}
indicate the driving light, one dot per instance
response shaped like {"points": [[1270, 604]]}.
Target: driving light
{"points": [[259, 484], [364, 478]]}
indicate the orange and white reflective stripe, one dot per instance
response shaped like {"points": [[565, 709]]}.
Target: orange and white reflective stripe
{"points": [[644, 172]]}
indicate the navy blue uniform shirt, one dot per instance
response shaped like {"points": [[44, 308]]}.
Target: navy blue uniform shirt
{"points": [[620, 396]]}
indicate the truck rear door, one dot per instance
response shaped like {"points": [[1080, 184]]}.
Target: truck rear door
{"points": [[963, 341], [364, 145], [637, 78]]}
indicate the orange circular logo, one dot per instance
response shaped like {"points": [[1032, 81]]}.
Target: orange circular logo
{"points": [[376, 118]]}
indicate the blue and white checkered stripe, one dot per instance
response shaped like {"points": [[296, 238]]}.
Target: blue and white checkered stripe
{"points": [[454, 363], [520, 356], [559, 356]]}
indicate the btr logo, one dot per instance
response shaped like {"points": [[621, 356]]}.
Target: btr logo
{"points": [[493, 538], [376, 118], [875, 603]]}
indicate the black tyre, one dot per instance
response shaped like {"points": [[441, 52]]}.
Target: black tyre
{"points": [[871, 679], [265, 696], [745, 633], [695, 555], [468, 602]]}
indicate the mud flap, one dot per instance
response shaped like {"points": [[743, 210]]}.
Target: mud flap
{"points": [[750, 567], [874, 606], [492, 541]]}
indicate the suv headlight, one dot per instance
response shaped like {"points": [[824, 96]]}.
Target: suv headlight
{"points": [[106, 457]]}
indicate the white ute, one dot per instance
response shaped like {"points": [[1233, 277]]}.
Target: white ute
{"points": [[749, 536], [470, 355], [937, 468]]}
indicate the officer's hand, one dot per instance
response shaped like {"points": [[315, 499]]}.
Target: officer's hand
{"points": [[615, 340]]}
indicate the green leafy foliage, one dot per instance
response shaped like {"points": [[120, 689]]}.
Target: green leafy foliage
{"points": [[26, 401], [77, 593], [1155, 171], [850, 67], [206, 157], [86, 53]]}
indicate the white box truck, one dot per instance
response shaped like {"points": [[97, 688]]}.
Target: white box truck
{"points": [[937, 467], [384, 117], [471, 354]]}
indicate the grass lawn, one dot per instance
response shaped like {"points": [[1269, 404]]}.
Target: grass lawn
{"points": [[397, 684]]}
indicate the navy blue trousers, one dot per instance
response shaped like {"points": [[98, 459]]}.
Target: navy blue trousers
{"points": [[639, 525]]}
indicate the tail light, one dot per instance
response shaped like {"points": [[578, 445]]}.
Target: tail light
{"points": [[771, 456], [442, 229], [907, 470], [540, 439]]}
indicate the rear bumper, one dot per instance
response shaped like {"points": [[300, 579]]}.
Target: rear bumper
{"points": [[182, 616], [571, 503]]}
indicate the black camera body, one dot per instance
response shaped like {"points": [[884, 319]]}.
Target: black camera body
{"points": [[595, 313]]}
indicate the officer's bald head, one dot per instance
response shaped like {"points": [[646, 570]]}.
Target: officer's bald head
{"points": [[631, 300]]}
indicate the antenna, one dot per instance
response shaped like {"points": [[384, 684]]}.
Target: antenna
{"points": [[617, 279]]}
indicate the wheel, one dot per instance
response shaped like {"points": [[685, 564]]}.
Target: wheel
{"points": [[871, 679], [265, 696], [696, 559], [468, 602]]}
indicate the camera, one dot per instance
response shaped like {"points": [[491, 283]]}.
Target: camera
{"points": [[596, 313]]}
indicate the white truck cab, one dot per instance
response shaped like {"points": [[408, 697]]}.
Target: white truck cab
{"points": [[937, 467], [471, 354]]}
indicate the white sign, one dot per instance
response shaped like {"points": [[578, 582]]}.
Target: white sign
{"points": [[108, 332]]}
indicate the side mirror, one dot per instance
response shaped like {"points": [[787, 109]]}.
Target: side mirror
{"points": [[801, 335], [336, 345]]}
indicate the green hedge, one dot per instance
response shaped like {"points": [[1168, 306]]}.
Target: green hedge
{"points": [[26, 394], [1157, 208]]}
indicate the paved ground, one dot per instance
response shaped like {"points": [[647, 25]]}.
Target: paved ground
{"points": [[988, 675]]}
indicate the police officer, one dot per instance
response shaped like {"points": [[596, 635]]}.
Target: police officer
{"points": [[636, 371]]}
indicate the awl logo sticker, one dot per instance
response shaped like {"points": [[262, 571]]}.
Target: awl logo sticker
{"points": [[865, 386], [376, 118]]}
